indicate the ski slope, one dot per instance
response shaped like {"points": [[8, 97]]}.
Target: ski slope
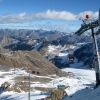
{"points": [[82, 73], [82, 78], [76, 84]]}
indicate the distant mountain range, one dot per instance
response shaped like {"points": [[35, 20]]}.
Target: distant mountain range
{"points": [[40, 40], [34, 34]]}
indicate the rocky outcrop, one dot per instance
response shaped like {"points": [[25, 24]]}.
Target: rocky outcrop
{"points": [[58, 94], [31, 60]]}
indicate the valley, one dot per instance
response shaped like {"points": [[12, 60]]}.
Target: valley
{"points": [[45, 65]]}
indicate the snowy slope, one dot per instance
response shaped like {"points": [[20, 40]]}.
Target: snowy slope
{"points": [[86, 94], [83, 78], [77, 83]]}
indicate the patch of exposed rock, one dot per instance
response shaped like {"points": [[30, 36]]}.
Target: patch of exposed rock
{"points": [[58, 94], [31, 60], [16, 87]]}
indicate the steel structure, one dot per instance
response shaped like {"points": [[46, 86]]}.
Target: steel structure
{"points": [[91, 26]]}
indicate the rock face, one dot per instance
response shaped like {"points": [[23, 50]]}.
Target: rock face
{"points": [[30, 60], [58, 94]]}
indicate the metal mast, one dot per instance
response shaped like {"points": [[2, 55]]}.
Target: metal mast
{"points": [[91, 26]]}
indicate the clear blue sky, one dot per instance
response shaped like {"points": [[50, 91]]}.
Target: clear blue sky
{"points": [[61, 15]]}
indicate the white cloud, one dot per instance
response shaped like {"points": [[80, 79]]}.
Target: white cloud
{"points": [[46, 26], [64, 15], [49, 26], [12, 18], [55, 15], [22, 14], [93, 15]]}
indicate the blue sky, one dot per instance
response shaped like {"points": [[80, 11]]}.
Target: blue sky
{"points": [[61, 15]]}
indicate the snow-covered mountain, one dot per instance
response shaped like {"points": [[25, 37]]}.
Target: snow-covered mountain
{"points": [[35, 34], [59, 49], [79, 82], [83, 47], [58, 53], [78, 79]]}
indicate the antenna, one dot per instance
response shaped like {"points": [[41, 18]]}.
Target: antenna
{"points": [[99, 18]]}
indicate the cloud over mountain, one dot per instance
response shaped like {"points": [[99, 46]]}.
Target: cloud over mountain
{"points": [[54, 15]]}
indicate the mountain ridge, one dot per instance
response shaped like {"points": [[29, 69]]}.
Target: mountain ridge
{"points": [[30, 60]]}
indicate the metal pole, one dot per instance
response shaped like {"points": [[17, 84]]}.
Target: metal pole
{"points": [[29, 87], [96, 58]]}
